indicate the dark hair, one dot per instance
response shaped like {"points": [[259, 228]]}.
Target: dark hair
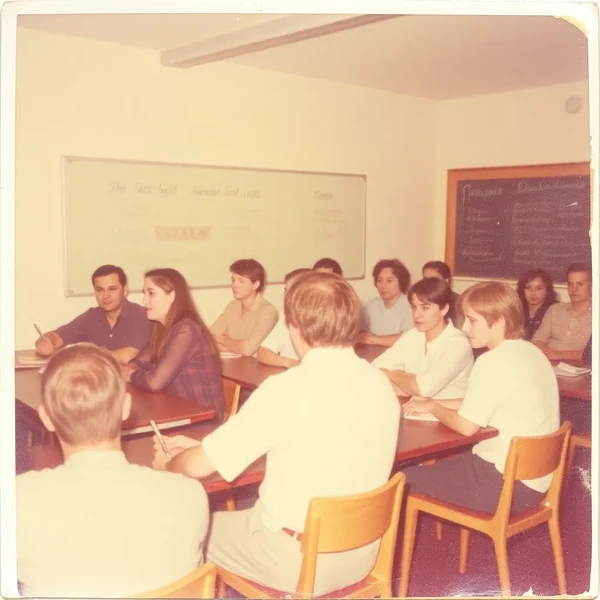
{"points": [[434, 291], [183, 307], [400, 271], [109, 270], [329, 263], [551, 297], [439, 267], [252, 269], [295, 273], [579, 268]]}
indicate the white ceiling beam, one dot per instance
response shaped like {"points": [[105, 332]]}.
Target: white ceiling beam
{"points": [[286, 30]]}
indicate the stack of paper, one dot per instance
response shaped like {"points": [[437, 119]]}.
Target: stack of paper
{"points": [[30, 362], [565, 370], [226, 354]]}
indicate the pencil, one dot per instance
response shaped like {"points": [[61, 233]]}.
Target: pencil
{"points": [[39, 331]]}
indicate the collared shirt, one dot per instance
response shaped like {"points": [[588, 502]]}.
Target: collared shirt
{"points": [[279, 341], [514, 389], [388, 321], [187, 367], [562, 329], [131, 330], [442, 366], [254, 326], [532, 324], [98, 526], [329, 427]]}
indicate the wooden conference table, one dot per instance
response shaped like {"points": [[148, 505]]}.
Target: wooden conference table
{"points": [[249, 373], [163, 408]]}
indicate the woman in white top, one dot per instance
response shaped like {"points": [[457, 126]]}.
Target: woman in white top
{"points": [[434, 359], [512, 388], [387, 316]]}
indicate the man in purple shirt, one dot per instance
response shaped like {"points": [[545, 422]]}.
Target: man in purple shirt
{"points": [[116, 324]]}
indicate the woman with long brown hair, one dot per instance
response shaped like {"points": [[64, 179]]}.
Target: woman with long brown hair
{"points": [[181, 356]]}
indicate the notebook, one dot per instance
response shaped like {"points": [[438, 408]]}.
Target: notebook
{"points": [[420, 417], [565, 370], [30, 362]]}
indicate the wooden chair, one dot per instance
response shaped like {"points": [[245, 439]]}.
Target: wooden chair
{"points": [[577, 439], [198, 584], [336, 525], [231, 394], [528, 458]]}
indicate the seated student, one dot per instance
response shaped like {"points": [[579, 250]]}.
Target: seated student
{"points": [[387, 316], [566, 327], [329, 427], [440, 270], [434, 359], [115, 323], [537, 294], [512, 387], [328, 265], [97, 526], [277, 348], [181, 357], [247, 320]]}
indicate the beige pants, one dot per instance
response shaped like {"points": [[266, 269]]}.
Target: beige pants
{"points": [[241, 543]]}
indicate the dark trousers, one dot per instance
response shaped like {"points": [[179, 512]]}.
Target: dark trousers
{"points": [[469, 481], [579, 412]]}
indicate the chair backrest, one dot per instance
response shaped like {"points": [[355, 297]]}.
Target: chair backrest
{"points": [[343, 523], [533, 457], [198, 584], [231, 394]]}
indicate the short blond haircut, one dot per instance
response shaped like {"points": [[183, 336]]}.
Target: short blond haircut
{"points": [[494, 300], [83, 393], [324, 308]]}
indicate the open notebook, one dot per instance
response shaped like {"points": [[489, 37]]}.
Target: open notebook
{"points": [[565, 370]]}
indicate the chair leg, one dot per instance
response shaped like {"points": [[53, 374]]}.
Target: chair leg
{"points": [[570, 457], [465, 536], [502, 560], [438, 530], [220, 588], [408, 544], [559, 560], [230, 500]]}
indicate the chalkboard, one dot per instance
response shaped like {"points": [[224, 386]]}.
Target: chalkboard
{"points": [[199, 219], [504, 221]]}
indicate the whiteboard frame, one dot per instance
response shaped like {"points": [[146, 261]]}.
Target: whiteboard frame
{"points": [[66, 158]]}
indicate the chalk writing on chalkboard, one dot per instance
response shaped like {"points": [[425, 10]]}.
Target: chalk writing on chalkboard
{"points": [[507, 226]]}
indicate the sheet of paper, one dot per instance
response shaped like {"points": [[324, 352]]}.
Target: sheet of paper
{"points": [[421, 417]]}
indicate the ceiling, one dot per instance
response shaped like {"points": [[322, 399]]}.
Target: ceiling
{"points": [[432, 56]]}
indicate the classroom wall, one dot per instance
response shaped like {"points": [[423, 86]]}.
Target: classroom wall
{"points": [[525, 127], [86, 98]]}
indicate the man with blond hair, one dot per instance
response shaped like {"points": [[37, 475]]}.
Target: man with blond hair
{"points": [[98, 526], [512, 388], [328, 427]]}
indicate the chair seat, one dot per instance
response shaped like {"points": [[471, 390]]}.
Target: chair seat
{"points": [[460, 515], [356, 590]]}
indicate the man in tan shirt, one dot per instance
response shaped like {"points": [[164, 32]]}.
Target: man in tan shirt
{"points": [[567, 327], [249, 318]]}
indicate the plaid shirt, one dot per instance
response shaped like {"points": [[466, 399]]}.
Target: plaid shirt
{"points": [[186, 368]]}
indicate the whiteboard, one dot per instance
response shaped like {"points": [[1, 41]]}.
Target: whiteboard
{"points": [[199, 219]]}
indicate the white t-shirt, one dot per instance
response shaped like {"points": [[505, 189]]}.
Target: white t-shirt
{"points": [[388, 321], [329, 427], [512, 388], [98, 526], [279, 341], [442, 366]]}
